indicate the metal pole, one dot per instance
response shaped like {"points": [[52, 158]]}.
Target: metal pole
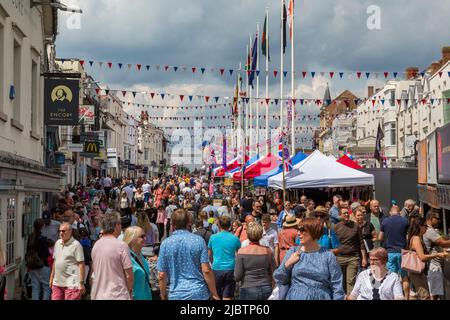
{"points": [[257, 88], [267, 83]]}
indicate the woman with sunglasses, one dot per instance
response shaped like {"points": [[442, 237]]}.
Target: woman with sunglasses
{"points": [[135, 238], [311, 271], [377, 282]]}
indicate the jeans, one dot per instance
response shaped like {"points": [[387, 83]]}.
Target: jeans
{"points": [[256, 293], [40, 279]]}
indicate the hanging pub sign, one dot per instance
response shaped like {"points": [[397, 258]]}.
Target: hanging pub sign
{"points": [[87, 114], [61, 102]]}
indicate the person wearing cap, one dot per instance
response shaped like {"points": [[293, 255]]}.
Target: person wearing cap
{"points": [[286, 237], [51, 227]]}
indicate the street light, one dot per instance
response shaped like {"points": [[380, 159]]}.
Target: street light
{"points": [[57, 5]]}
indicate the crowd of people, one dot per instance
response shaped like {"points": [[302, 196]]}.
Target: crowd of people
{"points": [[165, 238]]}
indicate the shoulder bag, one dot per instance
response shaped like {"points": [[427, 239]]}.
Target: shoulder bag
{"points": [[411, 261]]}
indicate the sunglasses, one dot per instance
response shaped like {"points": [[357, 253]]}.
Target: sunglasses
{"points": [[301, 229], [63, 231]]}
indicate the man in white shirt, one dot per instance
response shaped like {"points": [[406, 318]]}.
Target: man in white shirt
{"points": [[129, 189], [107, 185], [147, 188], [270, 236], [67, 277]]}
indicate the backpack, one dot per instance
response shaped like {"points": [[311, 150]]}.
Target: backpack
{"points": [[113, 194]]}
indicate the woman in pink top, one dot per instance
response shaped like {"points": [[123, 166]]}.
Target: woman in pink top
{"points": [[161, 219], [158, 196]]}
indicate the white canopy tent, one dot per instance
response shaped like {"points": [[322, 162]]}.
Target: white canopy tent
{"points": [[319, 171]]}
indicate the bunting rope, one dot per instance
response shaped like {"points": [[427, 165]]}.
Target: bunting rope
{"points": [[139, 67]]}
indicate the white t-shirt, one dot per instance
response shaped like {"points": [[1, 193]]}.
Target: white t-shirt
{"points": [[390, 289], [146, 187], [130, 191], [107, 182]]}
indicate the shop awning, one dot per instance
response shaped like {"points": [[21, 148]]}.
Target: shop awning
{"points": [[346, 161]]}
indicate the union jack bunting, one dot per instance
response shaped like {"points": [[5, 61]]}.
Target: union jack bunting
{"points": [[283, 153]]}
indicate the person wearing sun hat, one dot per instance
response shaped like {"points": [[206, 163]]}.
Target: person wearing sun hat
{"points": [[286, 237]]}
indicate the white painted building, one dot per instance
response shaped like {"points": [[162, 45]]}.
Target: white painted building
{"points": [[151, 146], [27, 36]]}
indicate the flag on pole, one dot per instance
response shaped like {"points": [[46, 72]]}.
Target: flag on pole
{"points": [[291, 17], [284, 28], [224, 153], [265, 40], [235, 110], [380, 136], [253, 61], [283, 155]]}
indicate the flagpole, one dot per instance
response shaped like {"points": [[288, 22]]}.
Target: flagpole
{"points": [[250, 138], [284, 170], [244, 153], [246, 95], [257, 88], [292, 82], [267, 81], [281, 67], [239, 125]]}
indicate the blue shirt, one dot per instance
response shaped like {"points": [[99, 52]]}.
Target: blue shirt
{"points": [[328, 240], [281, 218], [395, 229], [334, 215], [141, 286], [224, 246], [181, 256]]}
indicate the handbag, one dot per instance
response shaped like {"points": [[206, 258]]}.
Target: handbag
{"points": [[411, 262]]}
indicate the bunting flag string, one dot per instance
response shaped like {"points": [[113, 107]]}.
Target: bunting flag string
{"points": [[221, 71], [261, 101], [181, 118]]}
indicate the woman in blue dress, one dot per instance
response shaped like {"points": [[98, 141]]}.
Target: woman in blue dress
{"points": [[312, 272]]}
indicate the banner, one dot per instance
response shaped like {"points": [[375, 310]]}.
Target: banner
{"points": [[61, 102], [87, 115], [443, 154], [432, 159], [422, 161]]}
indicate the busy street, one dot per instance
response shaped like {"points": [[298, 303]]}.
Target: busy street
{"points": [[218, 151]]}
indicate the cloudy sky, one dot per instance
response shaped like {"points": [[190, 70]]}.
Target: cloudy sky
{"points": [[330, 35]]}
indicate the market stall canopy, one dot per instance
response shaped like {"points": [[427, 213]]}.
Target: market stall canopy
{"points": [[231, 165], [263, 180], [229, 173], [319, 171], [258, 168], [346, 161]]}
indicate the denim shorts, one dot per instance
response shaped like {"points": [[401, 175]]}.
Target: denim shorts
{"points": [[225, 283]]}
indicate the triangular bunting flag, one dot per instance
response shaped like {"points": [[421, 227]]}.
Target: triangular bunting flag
{"points": [[276, 101], [275, 72], [359, 74], [302, 101], [82, 63], [382, 102], [91, 63], [207, 99], [107, 91], [181, 97], [203, 70], [134, 94], [386, 74], [162, 95], [304, 74], [190, 98], [313, 74], [373, 103], [440, 74], [166, 68], [432, 101], [222, 71], [120, 65], [341, 74], [148, 68], [257, 73], [97, 90], [124, 93], [285, 73], [231, 72], [367, 75], [267, 100], [129, 66], [294, 101], [193, 69], [395, 74], [399, 101], [152, 94], [139, 66], [110, 65], [175, 68], [331, 75], [217, 99], [100, 64]]}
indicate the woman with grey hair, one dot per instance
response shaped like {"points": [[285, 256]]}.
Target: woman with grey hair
{"points": [[135, 238]]}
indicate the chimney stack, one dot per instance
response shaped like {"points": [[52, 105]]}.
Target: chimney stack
{"points": [[370, 91], [435, 66], [445, 55], [411, 73]]}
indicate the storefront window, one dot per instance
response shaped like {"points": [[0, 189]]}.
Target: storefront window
{"points": [[31, 212], [10, 231]]}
